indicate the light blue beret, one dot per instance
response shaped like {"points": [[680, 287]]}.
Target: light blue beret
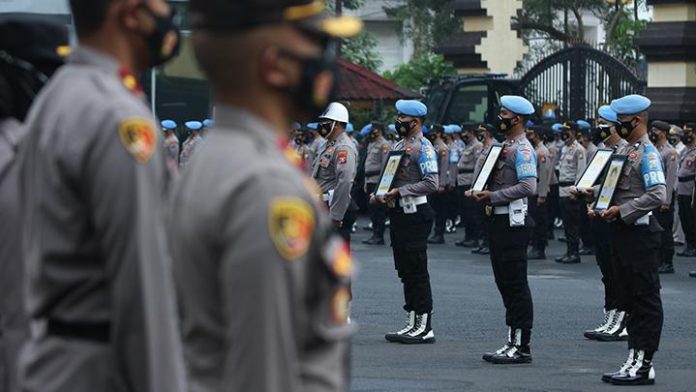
{"points": [[452, 128], [391, 128], [194, 125], [168, 124], [366, 130], [557, 128], [607, 113], [349, 128], [295, 125], [583, 124], [517, 105], [411, 108], [313, 126], [630, 104], [208, 123]]}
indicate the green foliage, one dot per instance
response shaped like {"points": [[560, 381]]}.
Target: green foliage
{"points": [[621, 43], [415, 74], [361, 50], [429, 23]]}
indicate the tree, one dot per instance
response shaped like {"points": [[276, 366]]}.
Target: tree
{"points": [[361, 49], [416, 74], [432, 23]]}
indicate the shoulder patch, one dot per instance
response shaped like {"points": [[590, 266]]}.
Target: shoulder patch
{"points": [[138, 138], [342, 157], [291, 224]]}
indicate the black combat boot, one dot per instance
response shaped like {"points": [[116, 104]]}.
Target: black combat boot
{"points": [[608, 318], [606, 377], [422, 331], [613, 331], [640, 373], [410, 320], [487, 356], [518, 353]]}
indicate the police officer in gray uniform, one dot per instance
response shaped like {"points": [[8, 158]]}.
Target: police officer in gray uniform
{"points": [[188, 148], [665, 214], [93, 180], [335, 167], [572, 165], [686, 175], [30, 51], [635, 234], [537, 203], [171, 142], [411, 219], [262, 282], [439, 199], [465, 177], [377, 154], [512, 181], [316, 144]]}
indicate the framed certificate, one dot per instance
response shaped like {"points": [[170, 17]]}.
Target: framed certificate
{"points": [[388, 173], [594, 169], [487, 167], [606, 192]]}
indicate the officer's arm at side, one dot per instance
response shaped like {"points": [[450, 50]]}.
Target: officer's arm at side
{"points": [[525, 166], [345, 175], [653, 198], [429, 184]]}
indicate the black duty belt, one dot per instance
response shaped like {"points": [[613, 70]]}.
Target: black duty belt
{"points": [[566, 183], [466, 171], [371, 173], [687, 178], [97, 332]]}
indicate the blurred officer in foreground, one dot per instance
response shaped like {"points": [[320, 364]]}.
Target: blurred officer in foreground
{"points": [[171, 142], [537, 202], [411, 219], [571, 166], [188, 148], [665, 214], [512, 181], [635, 235], [93, 178], [262, 282], [438, 200], [686, 176], [465, 177], [377, 154], [335, 167], [30, 52]]}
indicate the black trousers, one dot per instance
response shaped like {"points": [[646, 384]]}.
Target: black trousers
{"points": [[540, 215], [509, 260], [554, 204], [451, 203], [378, 214], [666, 220], [586, 233], [472, 215], [571, 223], [636, 253], [409, 241], [688, 222], [607, 265], [439, 202]]}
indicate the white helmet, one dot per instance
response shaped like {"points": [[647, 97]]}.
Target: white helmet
{"points": [[336, 112]]}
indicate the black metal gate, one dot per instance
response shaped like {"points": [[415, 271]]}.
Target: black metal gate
{"points": [[578, 80]]}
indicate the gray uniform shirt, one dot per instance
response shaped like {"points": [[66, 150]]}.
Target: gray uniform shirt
{"points": [[172, 145], [454, 153], [686, 172], [572, 165], [467, 163], [14, 324], [669, 157], [334, 170], [641, 187], [544, 170], [514, 175], [443, 164], [314, 148], [262, 284], [93, 182], [412, 179], [377, 154], [189, 148], [591, 150]]}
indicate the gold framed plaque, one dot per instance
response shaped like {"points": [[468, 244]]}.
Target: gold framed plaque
{"points": [[611, 180], [388, 173], [594, 170], [487, 168]]}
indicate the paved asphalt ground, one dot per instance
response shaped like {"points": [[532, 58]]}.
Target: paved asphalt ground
{"points": [[469, 320]]}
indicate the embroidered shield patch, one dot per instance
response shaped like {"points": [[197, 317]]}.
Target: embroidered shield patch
{"points": [[291, 224], [138, 137]]}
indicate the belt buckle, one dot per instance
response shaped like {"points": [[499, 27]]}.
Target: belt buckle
{"points": [[489, 210]]}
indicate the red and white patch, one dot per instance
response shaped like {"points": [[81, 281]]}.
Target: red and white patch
{"points": [[689, 162], [342, 157], [409, 149], [632, 155]]}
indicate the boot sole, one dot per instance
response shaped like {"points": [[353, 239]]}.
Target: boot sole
{"points": [[392, 338], [628, 383], [590, 335], [601, 338], [510, 362], [414, 341]]}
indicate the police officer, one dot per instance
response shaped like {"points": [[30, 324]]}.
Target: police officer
{"points": [[455, 147], [585, 139], [439, 198], [317, 142], [98, 288], [635, 236], [171, 142], [465, 177], [485, 134], [537, 202], [349, 132], [685, 189], [30, 51], [411, 220], [512, 181], [613, 326], [262, 282], [555, 145], [335, 167], [377, 154], [189, 146], [207, 125], [665, 214], [572, 164]]}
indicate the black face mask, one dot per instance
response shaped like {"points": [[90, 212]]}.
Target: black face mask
{"points": [[626, 128], [326, 128], [673, 139], [164, 41], [403, 127], [480, 137], [600, 134], [565, 136], [688, 138], [653, 137], [317, 85], [504, 126]]}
